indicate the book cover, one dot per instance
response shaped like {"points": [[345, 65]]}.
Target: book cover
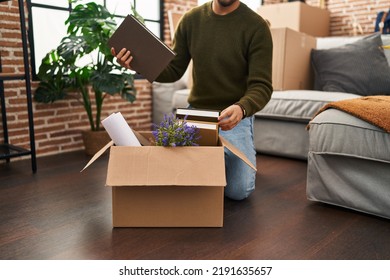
{"points": [[198, 114], [150, 55], [208, 132], [205, 120]]}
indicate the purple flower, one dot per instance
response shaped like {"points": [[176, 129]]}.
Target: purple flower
{"points": [[174, 132]]}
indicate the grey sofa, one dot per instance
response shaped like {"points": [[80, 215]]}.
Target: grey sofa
{"points": [[280, 128]]}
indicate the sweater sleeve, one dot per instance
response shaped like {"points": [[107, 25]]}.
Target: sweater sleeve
{"points": [[177, 67], [259, 88]]}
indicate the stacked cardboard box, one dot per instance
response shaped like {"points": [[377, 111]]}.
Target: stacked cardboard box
{"points": [[298, 16], [291, 59]]}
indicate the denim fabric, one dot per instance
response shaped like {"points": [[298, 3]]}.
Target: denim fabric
{"points": [[239, 176]]}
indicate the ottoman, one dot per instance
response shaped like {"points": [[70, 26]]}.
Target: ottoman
{"points": [[349, 163]]}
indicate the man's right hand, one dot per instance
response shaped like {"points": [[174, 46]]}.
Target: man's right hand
{"points": [[123, 58]]}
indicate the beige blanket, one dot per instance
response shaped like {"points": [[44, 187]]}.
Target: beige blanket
{"points": [[372, 109]]}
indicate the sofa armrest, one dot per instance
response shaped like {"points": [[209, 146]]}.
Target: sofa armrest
{"points": [[162, 94]]}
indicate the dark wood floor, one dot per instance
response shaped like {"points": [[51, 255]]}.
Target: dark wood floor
{"points": [[59, 213]]}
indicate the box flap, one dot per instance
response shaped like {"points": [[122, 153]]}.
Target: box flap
{"points": [[142, 137], [98, 154], [236, 151], [166, 166]]}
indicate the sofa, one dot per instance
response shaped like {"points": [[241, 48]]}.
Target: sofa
{"points": [[280, 128]]}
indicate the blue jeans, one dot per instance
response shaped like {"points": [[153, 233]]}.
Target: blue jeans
{"points": [[239, 176]]}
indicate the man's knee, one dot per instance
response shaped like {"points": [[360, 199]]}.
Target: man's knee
{"points": [[238, 193]]}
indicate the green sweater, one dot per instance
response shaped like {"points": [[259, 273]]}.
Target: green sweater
{"points": [[232, 58]]}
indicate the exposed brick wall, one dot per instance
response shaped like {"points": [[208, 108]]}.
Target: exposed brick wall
{"points": [[176, 6], [58, 126], [349, 17]]}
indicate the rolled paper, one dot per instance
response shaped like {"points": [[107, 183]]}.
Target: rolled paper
{"points": [[119, 131]]}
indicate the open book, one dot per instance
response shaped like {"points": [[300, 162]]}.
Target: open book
{"points": [[150, 55]]}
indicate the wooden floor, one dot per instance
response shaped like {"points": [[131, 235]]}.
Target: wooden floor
{"points": [[59, 213]]}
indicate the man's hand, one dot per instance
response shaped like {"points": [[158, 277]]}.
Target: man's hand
{"points": [[230, 117], [123, 57]]}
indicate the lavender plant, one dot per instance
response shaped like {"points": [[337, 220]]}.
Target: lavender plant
{"points": [[173, 132]]}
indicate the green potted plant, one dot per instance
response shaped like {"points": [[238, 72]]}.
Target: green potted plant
{"points": [[63, 74]]}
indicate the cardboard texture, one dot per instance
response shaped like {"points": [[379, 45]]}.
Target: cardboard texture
{"points": [[170, 187], [174, 18], [291, 59], [167, 186], [165, 166], [167, 206], [298, 16]]}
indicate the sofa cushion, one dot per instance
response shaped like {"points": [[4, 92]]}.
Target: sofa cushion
{"points": [[360, 67], [179, 99], [337, 41], [162, 98], [299, 105], [337, 132]]}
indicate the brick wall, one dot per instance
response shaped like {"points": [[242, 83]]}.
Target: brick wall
{"points": [[176, 6], [349, 17], [58, 126]]}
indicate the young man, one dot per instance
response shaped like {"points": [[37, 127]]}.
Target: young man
{"points": [[231, 48]]}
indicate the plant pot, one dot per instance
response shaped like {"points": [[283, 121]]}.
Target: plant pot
{"points": [[94, 140]]}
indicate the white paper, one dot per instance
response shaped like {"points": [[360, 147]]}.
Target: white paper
{"points": [[119, 131]]}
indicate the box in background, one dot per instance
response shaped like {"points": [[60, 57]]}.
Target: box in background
{"points": [[174, 18], [298, 16], [291, 59]]}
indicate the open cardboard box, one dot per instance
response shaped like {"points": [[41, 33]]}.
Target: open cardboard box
{"points": [[155, 186]]}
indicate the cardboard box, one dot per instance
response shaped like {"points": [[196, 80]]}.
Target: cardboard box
{"points": [[298, 16], [291, 67], [167, 186], [174, 18]]}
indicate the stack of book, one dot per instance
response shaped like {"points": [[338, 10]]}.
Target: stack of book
{"points": [[205, 120]]}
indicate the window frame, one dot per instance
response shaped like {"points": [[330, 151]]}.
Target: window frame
{"points": [[30, 5]]}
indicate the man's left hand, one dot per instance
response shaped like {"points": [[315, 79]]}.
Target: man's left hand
{"points": [[230, 117]]}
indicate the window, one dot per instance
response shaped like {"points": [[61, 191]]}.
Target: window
{"points": [[47, 19]]}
